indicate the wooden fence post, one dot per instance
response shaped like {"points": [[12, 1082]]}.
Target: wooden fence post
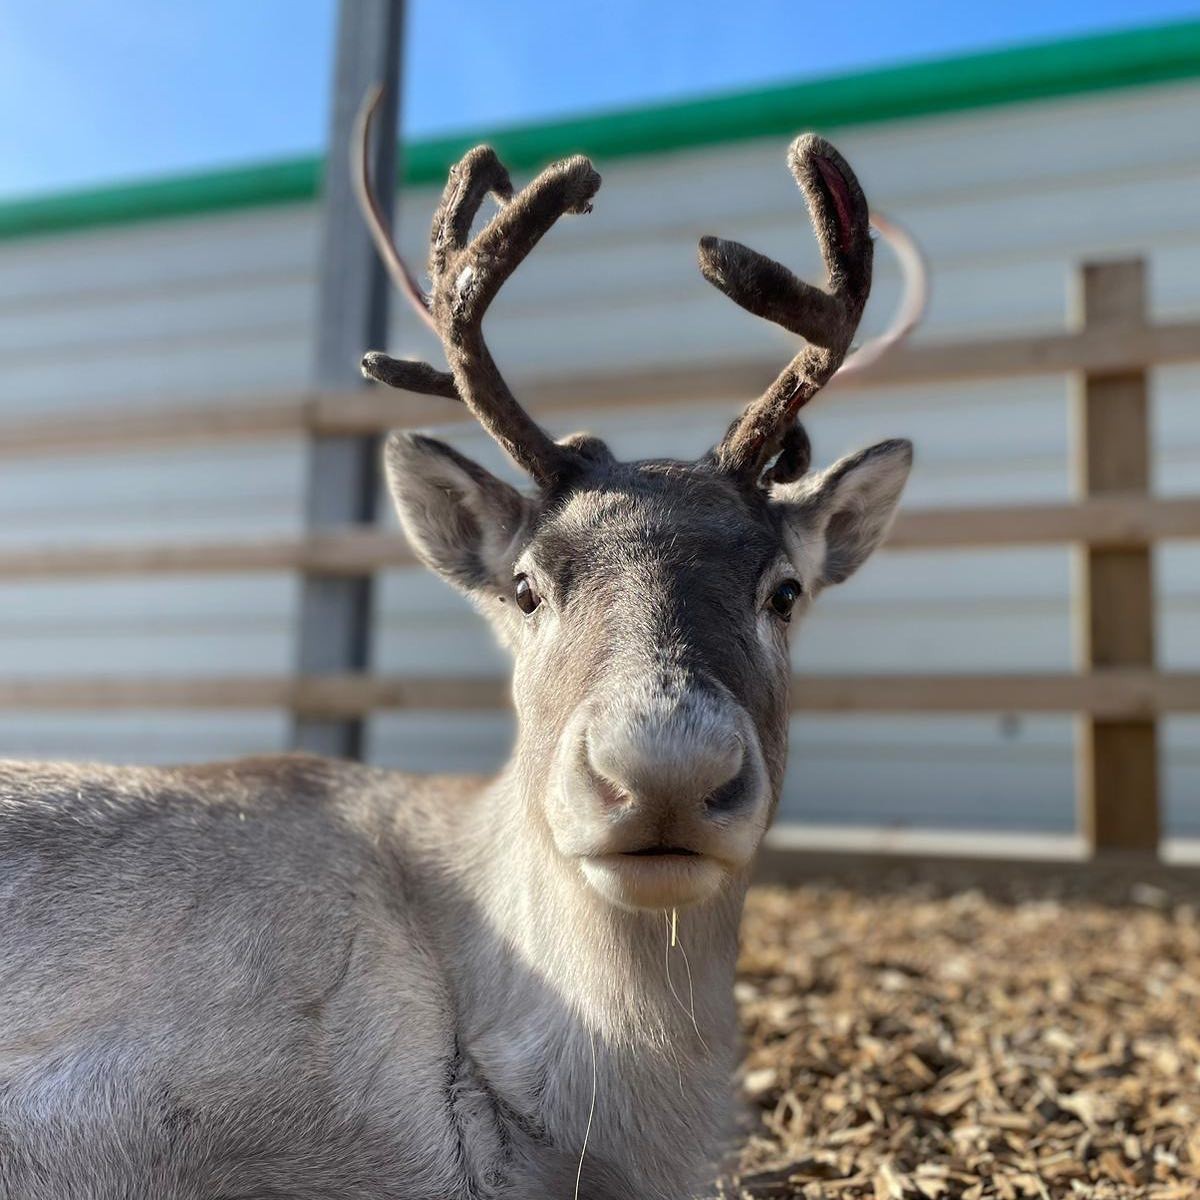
{"points": [[1117, 759]]}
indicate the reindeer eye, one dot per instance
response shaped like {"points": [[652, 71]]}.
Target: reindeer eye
{"points": [[527, 598], [784, 598]]}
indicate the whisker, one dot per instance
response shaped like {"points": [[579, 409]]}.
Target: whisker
{"points": [[692, 998], [667, 966], [591, 1113], [688, 1009]]}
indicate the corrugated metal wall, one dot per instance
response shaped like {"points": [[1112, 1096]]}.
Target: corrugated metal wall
{"points": [[1005, 202]]}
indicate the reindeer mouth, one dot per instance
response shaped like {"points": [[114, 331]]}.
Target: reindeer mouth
{"points": [[655, 878], [662, 852]]}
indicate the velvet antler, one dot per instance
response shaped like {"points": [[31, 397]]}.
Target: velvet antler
{"points": [[467, 273], [826, 318]]}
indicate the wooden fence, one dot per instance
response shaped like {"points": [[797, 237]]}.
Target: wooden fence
{"points": [[1118, 693]]}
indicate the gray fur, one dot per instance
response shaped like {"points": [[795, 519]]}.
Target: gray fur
{"points": [[292, 977]]}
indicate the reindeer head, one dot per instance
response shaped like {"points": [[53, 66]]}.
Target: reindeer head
{"points": [[648, 604]]}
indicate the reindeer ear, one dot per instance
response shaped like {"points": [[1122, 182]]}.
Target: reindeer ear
{"points": [[460, 519], [837, 518]]}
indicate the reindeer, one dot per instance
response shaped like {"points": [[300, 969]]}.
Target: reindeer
{"points": [[291, 977]]}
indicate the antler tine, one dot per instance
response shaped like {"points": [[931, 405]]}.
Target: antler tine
{"points": [[372, 211], [502, 245], [826, 318], [467, 273], [476, 174], [395, 372], [795, 455], [409, 375]]}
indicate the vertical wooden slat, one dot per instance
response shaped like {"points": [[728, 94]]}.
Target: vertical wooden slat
{"points": [[343, 471], [1118, 759]]}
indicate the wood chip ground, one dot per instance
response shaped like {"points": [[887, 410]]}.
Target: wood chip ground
{"points": [[906, 1042]]}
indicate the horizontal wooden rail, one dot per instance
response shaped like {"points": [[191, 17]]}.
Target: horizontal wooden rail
{"points": [[250, 419], [1102, 693], [1119, 349], [325, 696], [1115, 349], [90, 432], [1111, 521], [349, 552], [1110, 694]]}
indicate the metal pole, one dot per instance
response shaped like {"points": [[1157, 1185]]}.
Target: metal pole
{"points": [[343, 472]]}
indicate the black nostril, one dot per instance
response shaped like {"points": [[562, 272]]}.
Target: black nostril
{"points": [[729, 796]]}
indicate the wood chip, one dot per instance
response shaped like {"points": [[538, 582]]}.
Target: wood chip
{"points": [[913, 1043]]}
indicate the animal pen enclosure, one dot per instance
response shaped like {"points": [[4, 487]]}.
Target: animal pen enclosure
{"points": [[1027, 165], [1118, 694]]}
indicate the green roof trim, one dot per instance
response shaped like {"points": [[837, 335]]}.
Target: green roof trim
{"points": [[1127, 58], [282, 182]]}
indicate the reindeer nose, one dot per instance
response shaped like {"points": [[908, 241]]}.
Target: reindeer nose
{"points": [[690, 752]]}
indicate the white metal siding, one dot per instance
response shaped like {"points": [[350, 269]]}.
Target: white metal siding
{"points": [[1005, 201]]}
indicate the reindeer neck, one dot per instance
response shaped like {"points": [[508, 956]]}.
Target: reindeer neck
{"points": [[556, 990]]}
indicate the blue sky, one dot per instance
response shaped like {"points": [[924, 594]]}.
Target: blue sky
{"points": [[98, 91]]}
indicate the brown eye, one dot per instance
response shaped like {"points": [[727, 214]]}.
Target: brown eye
{"points": [[527, 598], [784, 597]]}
